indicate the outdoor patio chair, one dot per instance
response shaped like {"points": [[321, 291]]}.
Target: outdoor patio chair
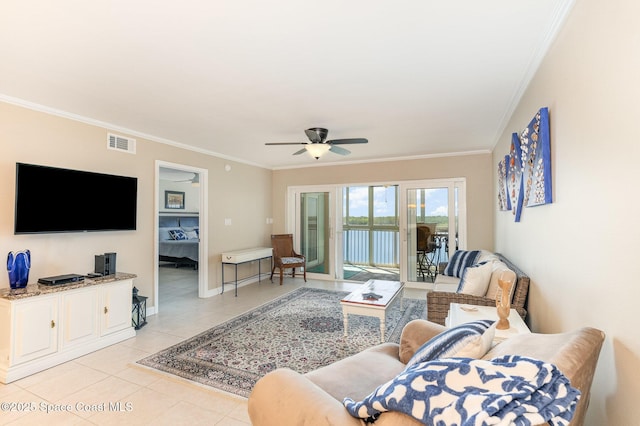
{"points": [[426, 247]]}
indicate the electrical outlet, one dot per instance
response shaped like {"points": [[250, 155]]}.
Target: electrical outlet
{"points": [[227, 222]]}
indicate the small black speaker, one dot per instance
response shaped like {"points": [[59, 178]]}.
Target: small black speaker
{"points": [[106, 264]]}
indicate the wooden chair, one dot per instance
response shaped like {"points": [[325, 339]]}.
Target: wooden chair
{"points": [[285, 257]]}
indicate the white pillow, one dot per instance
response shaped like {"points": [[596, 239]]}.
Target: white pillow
{"points": [[494, 288], [191, 235], [475, 279]]}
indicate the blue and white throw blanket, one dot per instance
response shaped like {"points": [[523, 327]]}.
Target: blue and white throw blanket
{"points": [[509, 390]]}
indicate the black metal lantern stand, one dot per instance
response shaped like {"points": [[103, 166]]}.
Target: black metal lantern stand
{"points": [[139, 310]]}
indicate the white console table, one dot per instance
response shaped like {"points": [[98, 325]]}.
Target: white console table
{"points": [[42, 326], [239, 257]]}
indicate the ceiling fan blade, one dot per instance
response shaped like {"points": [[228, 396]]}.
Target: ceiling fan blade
{"points": [[347, 141], [302, 151], [286, 143], [339, 150]]}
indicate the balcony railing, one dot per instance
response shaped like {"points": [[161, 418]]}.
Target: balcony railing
{"points": [[380, 247], [375, 247]]}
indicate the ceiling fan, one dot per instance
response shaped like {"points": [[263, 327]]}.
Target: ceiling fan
{"points": [[318, 144]]}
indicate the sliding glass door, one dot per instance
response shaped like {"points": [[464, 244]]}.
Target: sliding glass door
{"points": [[312, 219], [432, 218], [372, 231]]}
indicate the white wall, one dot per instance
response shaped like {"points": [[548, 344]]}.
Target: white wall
{"points": [[581, 251], [239, 192]]}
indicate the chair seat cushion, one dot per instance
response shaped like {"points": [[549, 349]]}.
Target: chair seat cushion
{"points": [[291, 260]]}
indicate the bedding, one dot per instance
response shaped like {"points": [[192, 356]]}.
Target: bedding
{"points": [[178, 240]]}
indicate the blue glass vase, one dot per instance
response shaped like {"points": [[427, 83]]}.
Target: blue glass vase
{"points": [[18, 265]]}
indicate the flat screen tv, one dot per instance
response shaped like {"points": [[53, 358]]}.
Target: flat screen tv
{"points": [[51, 199]]}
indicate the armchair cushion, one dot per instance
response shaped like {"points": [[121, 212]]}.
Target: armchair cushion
{"points": [[291, 260], [472, 339], [475, 279], [460, 260]]}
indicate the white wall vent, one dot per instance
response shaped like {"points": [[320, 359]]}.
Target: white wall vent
{"points": [[121, 143]]}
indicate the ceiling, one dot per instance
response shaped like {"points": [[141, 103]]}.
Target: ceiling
{"points": [[414, 77]]}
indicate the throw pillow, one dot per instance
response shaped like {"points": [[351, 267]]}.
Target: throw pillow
{"points": [[462, 338], [498, 267], [178, 234], [475, 279], [460, 260], [192, 235], [163, 234]]}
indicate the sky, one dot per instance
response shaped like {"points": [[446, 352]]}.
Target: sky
{"points": [[436, 201]]}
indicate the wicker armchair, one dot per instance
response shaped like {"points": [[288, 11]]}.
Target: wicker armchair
{"points": [[285, 257], [438, 301]]}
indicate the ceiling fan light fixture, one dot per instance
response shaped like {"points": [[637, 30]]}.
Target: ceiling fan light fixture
{"points": [[317, 150]]}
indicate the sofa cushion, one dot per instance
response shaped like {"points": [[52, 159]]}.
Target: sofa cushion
{"points": [[358, 375], [446, 283], [493, 290], [460, 260], [467, 340], [475, 279]]}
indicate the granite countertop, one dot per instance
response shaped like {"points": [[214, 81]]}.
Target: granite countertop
{"points": [[39, 289]]}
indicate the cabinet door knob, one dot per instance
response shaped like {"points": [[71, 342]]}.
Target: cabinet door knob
{"points": [[53, 323], [106, 310]]}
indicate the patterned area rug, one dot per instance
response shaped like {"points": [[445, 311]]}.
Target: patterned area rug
{"points": [[302, 330]]}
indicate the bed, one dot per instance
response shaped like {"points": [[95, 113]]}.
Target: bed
{"points": [[179, 240]]}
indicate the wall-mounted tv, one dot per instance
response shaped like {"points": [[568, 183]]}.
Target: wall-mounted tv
{"points": [[51, 199]]}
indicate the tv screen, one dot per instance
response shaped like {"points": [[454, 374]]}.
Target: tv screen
{"points": [[51, 199]]}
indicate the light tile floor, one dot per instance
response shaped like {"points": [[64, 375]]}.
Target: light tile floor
{"points": [[107, 387]]}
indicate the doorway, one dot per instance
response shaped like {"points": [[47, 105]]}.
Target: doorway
{"points": [[181, 241]]}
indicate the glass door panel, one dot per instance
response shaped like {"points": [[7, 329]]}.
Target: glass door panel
{"points": [[314, 231], [429, 230], [370, 232]]}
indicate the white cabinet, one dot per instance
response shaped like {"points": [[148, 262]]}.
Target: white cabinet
{"points": [[44, 327], [115, 315], [36, 329], [79, 322]]}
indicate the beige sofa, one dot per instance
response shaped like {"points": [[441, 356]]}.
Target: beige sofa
{"points": [[284, 397], [444, 292]]}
